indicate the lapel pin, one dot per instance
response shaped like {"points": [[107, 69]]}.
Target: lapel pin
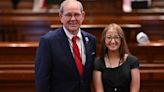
{"points": [[86, 39]]}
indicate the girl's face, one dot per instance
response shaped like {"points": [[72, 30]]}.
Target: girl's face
{"points": [[112, 40]]}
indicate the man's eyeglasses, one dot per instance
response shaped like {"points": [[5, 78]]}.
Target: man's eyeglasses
{"points": [[70, 15]]}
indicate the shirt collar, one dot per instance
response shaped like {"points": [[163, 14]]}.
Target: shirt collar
{"points": [[70, 36]]}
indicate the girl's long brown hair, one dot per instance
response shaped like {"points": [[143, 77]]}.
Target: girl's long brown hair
{"points": [[123, 47]]}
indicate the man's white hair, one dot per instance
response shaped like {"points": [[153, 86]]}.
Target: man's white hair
{"points": [[65, 2]]}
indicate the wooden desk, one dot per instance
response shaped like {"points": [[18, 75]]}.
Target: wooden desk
{"points": [[149, 53], [17, 66], [17, 52]]}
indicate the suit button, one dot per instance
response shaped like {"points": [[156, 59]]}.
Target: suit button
{"points": [[115, 89]]}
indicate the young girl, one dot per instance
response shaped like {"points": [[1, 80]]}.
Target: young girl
{"points": [[116, 70]]}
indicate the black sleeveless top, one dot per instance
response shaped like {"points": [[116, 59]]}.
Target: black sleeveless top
{"points": [[117, 79]]}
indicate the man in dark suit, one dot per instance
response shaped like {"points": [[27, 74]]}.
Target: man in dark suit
{"points": [[56, 68]]}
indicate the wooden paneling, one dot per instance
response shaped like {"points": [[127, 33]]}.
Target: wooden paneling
{"points": [[17, 67], [17, 52], [149, 53], [29, 26], [22, 4], [18, 27]]}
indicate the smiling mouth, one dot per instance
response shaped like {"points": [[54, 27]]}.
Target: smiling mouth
{"points": [[113, 45], [73, 25]]}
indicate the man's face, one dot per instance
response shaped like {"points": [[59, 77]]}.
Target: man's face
{"points": [[72, 17]]}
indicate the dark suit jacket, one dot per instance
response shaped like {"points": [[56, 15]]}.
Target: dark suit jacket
{"points": [[55, 69]]}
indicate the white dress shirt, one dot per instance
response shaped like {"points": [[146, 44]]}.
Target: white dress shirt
{"points": [[79, 42]]}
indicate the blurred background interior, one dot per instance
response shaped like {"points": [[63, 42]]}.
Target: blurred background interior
{"points": [[23, 22]]}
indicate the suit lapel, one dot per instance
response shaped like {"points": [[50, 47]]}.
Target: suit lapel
{"points": [[67, 51], [68, 54], [87, 47]]}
